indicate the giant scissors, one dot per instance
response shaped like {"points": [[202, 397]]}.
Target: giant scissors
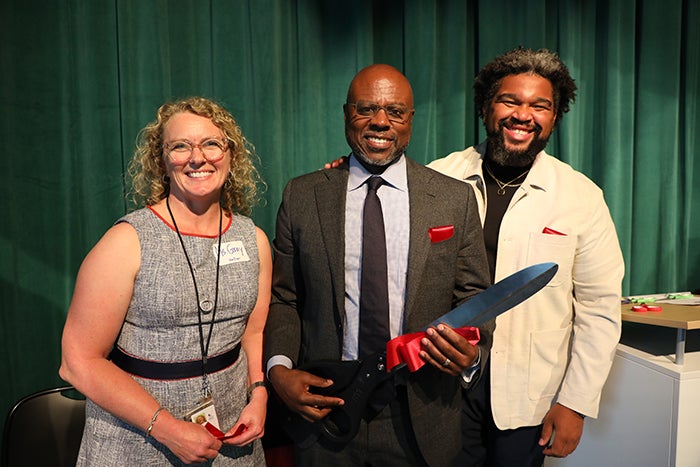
{"points": [[355, 381]]}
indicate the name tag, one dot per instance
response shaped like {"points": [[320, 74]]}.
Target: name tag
{"points": [[232, 252]]}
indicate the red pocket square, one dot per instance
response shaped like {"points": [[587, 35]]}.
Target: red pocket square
{"points": [[549, 231], [438, 234]]}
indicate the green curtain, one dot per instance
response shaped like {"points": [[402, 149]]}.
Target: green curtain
{"points": [[79, 78]]}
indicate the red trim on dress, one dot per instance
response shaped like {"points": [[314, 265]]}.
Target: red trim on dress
{"points": [[172, 227]]}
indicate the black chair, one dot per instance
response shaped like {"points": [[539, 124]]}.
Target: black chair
{"points": [[45, 429]]}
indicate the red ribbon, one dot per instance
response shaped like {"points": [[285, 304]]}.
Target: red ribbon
{"points": [[218, 434], [406, 348]]}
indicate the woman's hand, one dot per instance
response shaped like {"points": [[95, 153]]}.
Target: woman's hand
{"points": [[190, 442], [251, 424]]}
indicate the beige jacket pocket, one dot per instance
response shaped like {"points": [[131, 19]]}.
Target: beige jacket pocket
{"points": [[558, 249]]}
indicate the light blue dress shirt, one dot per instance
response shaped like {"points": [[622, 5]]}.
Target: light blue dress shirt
{"points": [[395, 210]]}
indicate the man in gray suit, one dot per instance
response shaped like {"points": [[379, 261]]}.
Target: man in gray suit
{"points": [[435, 261]]}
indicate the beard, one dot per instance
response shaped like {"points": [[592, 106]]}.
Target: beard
{"points": [[499, 154]]}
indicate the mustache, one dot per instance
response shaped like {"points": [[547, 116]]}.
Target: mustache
{"points": [[511, 121]]}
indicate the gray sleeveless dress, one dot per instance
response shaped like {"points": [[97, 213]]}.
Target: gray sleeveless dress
{"points": [[161, 324]]}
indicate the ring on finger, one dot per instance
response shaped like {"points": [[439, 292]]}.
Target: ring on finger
{"points": [[446, 363]]}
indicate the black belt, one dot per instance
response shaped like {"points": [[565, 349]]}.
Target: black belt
{"points": [[172, 370]]}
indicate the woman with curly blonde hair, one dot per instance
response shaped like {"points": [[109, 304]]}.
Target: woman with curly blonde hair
{"points": [[147, 172], [164, 332]]}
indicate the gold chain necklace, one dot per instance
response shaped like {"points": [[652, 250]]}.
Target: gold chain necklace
{"points": [[503, 185]]}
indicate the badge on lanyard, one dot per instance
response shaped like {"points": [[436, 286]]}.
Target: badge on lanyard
{"points": [[204, 412]]}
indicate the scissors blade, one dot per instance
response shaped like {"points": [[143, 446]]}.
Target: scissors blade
{"points": [[500, 297]]}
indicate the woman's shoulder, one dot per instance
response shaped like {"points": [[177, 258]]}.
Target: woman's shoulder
{"points": [[241, 223], [141, 218]]}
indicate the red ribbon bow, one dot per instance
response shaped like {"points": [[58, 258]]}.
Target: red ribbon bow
{"points": [[406, 348]]}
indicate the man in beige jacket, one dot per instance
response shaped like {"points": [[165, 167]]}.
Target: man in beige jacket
{"points": [[552, 354]]}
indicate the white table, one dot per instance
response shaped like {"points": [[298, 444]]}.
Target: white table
{"points": [[650, 408]]}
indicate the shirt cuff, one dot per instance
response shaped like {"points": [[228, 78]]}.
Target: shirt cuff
{"points": [[468, 373], [278, 360]]}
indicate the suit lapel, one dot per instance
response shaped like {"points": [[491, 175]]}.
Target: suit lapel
{"points": [[421, 201], [330, 202]]}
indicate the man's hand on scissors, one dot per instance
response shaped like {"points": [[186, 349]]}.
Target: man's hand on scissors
{"points": [[447, 351]]}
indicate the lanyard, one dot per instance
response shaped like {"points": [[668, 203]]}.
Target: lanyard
{"points": [[204, 348]]}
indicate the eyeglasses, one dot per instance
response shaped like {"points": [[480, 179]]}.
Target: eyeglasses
{"points": [[180, 151], [394, 112]]}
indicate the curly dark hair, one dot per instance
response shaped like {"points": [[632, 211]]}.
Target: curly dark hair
{"points": [[521, 60], [242, 186]]}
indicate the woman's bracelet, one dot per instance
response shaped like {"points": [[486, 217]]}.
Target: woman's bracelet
{"points": [[254, 385], [153, 420]]}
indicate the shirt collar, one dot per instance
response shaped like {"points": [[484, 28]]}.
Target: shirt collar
{"points": [[394, 175]]}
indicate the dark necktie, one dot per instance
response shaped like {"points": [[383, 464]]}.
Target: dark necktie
{"points": [[374, 290]]}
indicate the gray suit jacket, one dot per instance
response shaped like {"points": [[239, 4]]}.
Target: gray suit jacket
{"points": [[307, 313]]}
